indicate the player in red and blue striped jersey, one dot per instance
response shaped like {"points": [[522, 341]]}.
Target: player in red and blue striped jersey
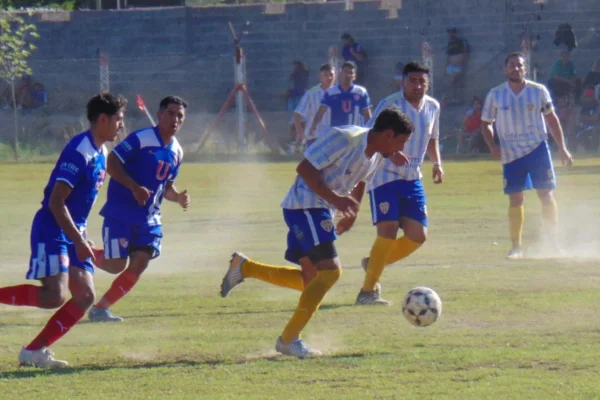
{"points": [[143, 169], [61, 256]]}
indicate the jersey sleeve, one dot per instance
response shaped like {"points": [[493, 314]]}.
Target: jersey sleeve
{"points": [[435, 129], [488, 114], [128, 148], [365, 101], [546, 105], [327, 150], [70, 168], [302, 106]]}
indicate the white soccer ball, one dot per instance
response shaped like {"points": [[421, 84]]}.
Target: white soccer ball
{"points": [[422, 306]]}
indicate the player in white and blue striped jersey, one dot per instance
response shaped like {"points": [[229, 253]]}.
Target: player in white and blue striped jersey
{"points": [[348, 104], [143, 169], [331, 177], [61, 256], [309, 105], [396, 192], [521, 109]]}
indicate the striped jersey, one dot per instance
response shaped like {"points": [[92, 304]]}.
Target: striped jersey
{"points": [[150, 164], [346, 107], [340, 156], [426, 120], [518, 118], [308, 107]]}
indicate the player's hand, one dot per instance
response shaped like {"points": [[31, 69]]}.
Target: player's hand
{"points": [[84, 250], [345, 224], [141, 195], [183, 199], [347, 206], [437, 174], [399, 158], [495, 151], [565, 157]]}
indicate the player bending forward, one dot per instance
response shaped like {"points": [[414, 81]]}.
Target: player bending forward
{"points": [[61, 257], [143, 169], [521, 109], [331, 177]]}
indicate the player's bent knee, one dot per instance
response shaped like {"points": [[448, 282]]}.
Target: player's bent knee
{"points": [[84, 298], [322, 252], [54, 299], [139, 262]]}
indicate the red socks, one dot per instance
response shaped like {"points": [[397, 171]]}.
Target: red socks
{"points": [[58, 326], [119, 288], [21, 295]]}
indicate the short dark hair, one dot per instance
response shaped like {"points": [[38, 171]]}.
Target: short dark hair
{"points": [[326, 68], [346, 35], [393, 118], [415, 66], [104, 103], [164, 103], [514, 54], [349, 64]]}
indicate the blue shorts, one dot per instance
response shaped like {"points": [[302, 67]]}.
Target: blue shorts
{"points": [[533, 171], [120, 239], [397, 199], [51, 254], [308, 228]]}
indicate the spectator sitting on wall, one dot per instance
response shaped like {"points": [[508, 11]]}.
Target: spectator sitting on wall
{"points": [[457, 53], [398, 78], [352, 51], [471, 131], [563, 78], [29, 95], [298, 83]]}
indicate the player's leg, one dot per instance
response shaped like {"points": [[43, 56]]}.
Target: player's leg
{"points": [[516, 181], [115, 237], [544, 181]]}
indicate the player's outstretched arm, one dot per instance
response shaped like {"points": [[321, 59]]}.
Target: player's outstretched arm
{"points": [[115, 169], [172, 194], [60, 194]]}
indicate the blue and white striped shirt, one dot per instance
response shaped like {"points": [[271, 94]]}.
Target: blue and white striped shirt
{"points": [[340, 156], [426, 120], [519, 120], [308, 107]]}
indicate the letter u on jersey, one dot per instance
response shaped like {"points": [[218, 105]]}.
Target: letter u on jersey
{"points": [[346, 106], [162, 170]]}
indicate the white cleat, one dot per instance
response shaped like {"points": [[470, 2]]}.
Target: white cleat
{"points": [[371, 299], [365, 263], [41, 358], [233, 277], [515, 253], [297, 348]]}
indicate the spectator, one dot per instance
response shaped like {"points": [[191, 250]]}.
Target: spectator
{"points": [[563, 78], [28, 94], [352, 51], [589, 121], [471, 132], [298, 83], [592, 79], [457, 53], [398, 77]]}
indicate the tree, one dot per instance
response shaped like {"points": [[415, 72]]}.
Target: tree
{"points": [[15, 49]]}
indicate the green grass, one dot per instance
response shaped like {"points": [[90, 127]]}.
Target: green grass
{"points": [[509, 330]]}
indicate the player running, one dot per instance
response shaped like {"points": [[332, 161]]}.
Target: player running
{"points": [[396, 192], [348, 104], [61, 257], [143, 169], [331, 176], [520, 109], [309, 104]]}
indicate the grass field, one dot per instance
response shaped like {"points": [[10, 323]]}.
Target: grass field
{"points": [[509, 330]]}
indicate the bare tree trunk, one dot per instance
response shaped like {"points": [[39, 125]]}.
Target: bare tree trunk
{"points": [[16, 116]]}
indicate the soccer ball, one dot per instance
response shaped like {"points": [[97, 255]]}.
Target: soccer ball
{"points": [[422, 306]]}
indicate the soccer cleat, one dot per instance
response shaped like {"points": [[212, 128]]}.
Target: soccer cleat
{"points": [[371, 299], [515, 253], [297, 348], [233, 277], [365, 263], [102, 315], [41, 358]]}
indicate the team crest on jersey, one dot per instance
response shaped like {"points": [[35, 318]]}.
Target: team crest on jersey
{"points": [[123, 243], [356, 97], [384, 207], [327, 225], [64, 260], [530, 106]]}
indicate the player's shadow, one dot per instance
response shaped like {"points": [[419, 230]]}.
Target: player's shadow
{"points": [[30, 372]]}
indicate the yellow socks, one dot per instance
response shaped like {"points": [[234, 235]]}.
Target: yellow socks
{"points": [[403, 247], [378, 259], [309, 303], [280, 276], [516, 217]]}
